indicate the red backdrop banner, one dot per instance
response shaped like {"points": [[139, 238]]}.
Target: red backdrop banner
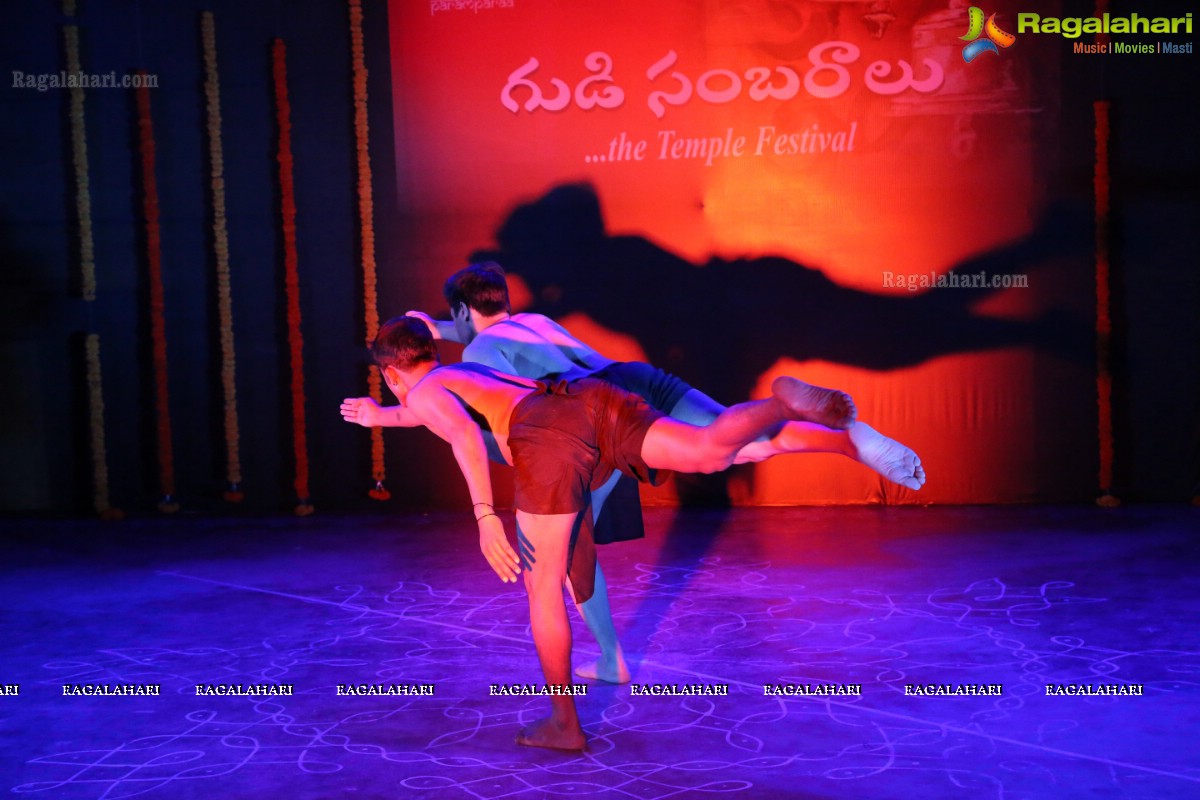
{"points": [[734, 190]]}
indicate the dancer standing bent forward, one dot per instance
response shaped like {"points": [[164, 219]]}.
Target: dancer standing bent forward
{"points": [[563, 440]]}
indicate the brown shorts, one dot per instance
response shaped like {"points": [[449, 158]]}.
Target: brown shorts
{"points": [[567, 439], [620, 519]]}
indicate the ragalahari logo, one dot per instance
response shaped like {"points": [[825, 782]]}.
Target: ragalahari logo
{"points": [[995, 36]]}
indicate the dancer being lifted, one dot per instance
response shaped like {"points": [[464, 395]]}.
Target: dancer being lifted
{"points": [[563, 439], [534, 346]]}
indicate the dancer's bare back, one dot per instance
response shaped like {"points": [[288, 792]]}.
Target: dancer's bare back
{"points": [[453, 397]]}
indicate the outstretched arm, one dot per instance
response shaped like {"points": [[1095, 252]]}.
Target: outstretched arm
{"points": [[440, 328], [441, 412], [366, 412]]}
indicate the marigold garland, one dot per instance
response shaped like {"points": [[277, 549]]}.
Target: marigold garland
{"points": [[95, 395], [366, 215], [216, 158], [79, 158], [1103, 305], [283, 111], [158, 328]]}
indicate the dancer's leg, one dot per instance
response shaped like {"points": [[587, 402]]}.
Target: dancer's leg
{"points": [[798, 437], [670, 444], [696, 408], [859, 442], [545, 539], [828, 407], [597, 613], [886, 456]]}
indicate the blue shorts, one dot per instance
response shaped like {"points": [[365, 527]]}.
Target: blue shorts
{"points": [[659, 389]]}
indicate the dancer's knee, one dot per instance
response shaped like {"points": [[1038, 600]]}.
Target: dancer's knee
{"points": [[709, 457], [541, 581]]}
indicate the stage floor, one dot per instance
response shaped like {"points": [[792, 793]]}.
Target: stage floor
{"points": [[1023, 597]]}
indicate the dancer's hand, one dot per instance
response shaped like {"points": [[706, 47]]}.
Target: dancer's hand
{"points": [[362, 411], [496, 549], [428, 320]]}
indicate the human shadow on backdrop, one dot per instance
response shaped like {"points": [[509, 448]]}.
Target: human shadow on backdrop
{"points": [[722, 324]]}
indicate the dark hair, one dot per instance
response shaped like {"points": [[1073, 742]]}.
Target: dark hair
{"points": [[479, 286], [403, 342]]}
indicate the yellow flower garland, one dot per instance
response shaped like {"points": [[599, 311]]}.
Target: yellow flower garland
{"points": [[95, 395], [79, 157], [212, 94], [87, 283]]}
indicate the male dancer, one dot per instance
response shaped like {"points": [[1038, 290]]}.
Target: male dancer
{"points": [[534, 346], [563, 440]]}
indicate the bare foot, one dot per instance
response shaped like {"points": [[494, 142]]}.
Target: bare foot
{"points": [[886, 456], [549, 734], [609, 670], [829, 407]]}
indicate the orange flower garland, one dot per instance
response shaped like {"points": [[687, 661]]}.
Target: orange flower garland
{"points": [[216, 158], [366, 215], [283, 112], [158, 331], [1103, 305]]}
